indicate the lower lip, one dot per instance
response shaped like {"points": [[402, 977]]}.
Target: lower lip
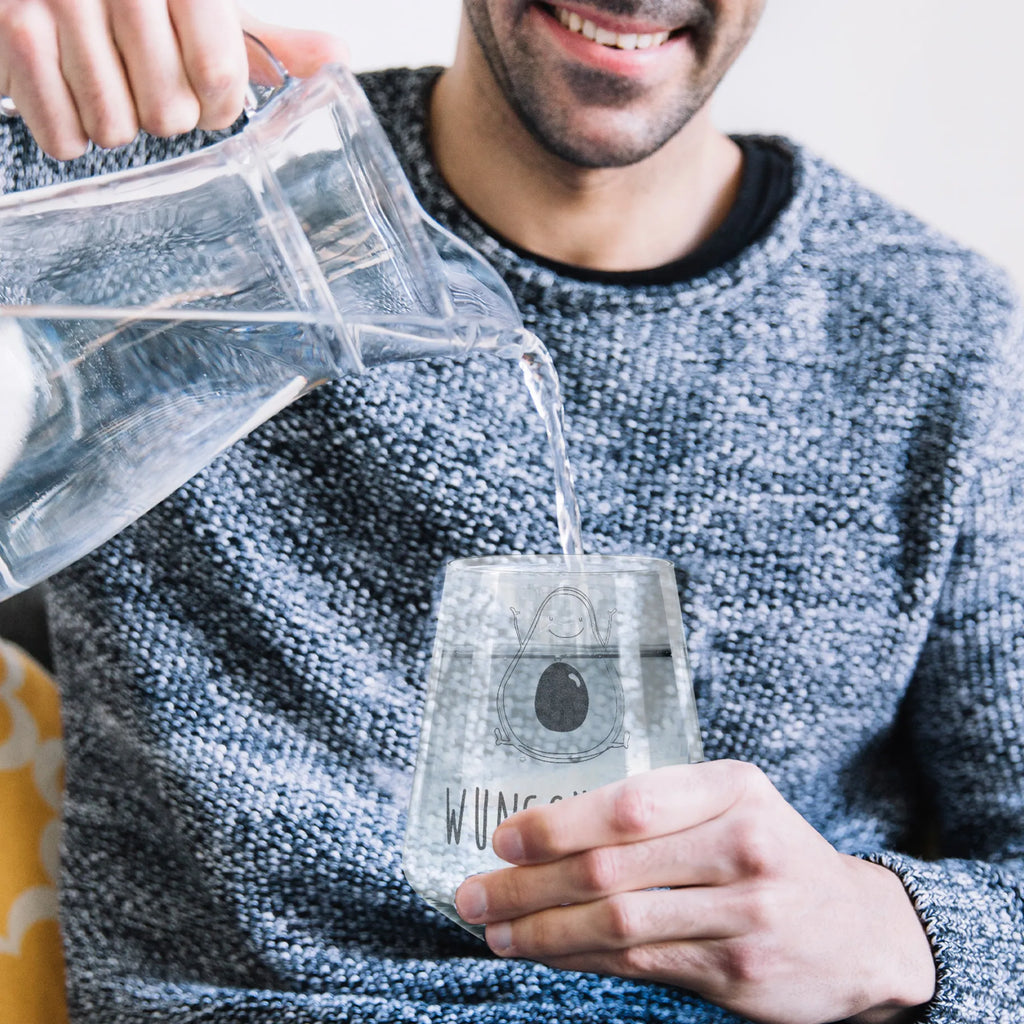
{"points": [[630, 63]]}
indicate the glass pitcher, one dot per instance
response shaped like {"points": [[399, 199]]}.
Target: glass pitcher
{"points": [[151, 317]]}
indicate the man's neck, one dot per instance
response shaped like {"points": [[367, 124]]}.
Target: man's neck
{"points": [[622, 218]]}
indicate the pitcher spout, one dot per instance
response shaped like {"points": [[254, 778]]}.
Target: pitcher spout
{"points": [[406, 339], [477, 290], [477, 311]]}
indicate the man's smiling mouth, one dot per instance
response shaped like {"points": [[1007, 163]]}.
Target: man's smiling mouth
{"points": [[615, 40]]}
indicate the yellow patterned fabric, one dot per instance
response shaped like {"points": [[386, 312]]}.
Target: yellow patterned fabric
{"points": [[31, 777]]}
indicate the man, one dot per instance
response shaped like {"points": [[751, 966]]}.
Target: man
{"points": [[806, 399]]}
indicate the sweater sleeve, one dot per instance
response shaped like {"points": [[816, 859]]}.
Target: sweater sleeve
{"points": [[965, 707]]}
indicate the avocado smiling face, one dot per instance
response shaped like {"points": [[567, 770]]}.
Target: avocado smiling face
{"points": [[565, 614], [560, 698]]}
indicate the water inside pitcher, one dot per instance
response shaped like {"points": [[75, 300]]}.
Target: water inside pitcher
{"points": [[151, 317]]}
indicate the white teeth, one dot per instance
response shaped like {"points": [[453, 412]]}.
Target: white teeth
{"points": [[624, 41]]}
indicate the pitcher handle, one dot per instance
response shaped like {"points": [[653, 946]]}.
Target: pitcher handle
{"points": [[265, 65], [256, 95]]}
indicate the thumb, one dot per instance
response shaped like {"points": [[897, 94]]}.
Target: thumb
{"points": [[301, 51]]}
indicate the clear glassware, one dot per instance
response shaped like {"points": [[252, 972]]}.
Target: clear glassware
{"points": [[550, 676], [151, 317]]}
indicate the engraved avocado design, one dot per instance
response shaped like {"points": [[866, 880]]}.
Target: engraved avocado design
{"points": [[560, 698]]}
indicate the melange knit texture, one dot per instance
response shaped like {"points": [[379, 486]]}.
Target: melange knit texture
{"points": [[825, 435]]}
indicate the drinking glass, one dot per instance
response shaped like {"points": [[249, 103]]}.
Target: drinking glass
{"points": [[550, 676]]}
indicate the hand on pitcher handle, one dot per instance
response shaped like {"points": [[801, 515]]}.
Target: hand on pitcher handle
{"points": [[703, 877], [102, 70]]}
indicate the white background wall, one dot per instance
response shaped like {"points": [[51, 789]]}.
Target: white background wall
{"points": [[919, 98]]}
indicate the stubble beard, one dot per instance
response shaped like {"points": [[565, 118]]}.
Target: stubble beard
{"points": [[600, 130], [626, 138]]}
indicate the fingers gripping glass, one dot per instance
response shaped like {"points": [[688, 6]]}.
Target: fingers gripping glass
{"points": [[266, 76]]}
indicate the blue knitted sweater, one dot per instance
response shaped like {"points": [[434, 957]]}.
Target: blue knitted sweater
{"points": [[825, 435]]}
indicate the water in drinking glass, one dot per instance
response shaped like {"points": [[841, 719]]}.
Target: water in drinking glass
{"points": [[550, 675]]}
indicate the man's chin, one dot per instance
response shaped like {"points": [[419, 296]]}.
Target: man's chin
{"points": [[604, 145], [588, 131], [595, 156]]}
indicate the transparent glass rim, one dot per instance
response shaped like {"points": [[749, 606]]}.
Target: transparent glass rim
{"points": [[558, 564]]}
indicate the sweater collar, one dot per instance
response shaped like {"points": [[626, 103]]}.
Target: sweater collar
{"points": [[401, 100]]}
